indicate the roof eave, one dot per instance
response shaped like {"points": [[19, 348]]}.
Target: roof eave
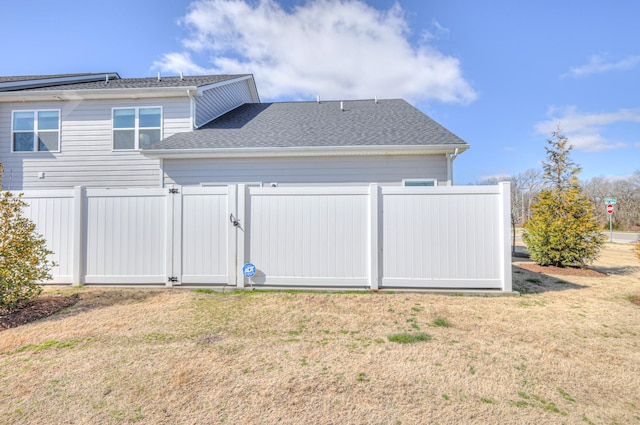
{"points": [[248, 77], [274, 152], [120, 93]]}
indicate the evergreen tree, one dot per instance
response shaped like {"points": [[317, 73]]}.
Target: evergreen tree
{"points": [[562, 230]]}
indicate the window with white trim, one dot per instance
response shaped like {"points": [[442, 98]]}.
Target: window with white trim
{"points": [[136, 128], [420, 182], [218, 184], [35, 131]]}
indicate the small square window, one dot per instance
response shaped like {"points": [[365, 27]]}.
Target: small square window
{"points": [[124, 118], [23, 142], [48, 141]]}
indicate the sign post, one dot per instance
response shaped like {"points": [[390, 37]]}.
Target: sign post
{"points": [[610, 212], [249, 271]]}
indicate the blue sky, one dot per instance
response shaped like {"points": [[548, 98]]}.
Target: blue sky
{"points": [[500, 74]]}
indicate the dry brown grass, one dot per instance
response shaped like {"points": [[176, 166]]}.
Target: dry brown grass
{"points": [[568, 351]]}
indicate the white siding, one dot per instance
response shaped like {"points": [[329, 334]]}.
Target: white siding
{"points": [[220, 100], [86, 157], [306, 171]]}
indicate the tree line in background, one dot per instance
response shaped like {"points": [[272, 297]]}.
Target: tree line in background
{"points": [[527, 186]]}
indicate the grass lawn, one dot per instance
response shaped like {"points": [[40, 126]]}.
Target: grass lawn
{"points": [[566, 351]]}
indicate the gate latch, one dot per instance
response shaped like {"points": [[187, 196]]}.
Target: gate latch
{"points": [[234, 220]]}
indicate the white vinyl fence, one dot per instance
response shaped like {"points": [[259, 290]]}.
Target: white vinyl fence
{"points": [[375, 237]]}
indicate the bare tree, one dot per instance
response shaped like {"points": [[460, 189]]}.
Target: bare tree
{"points": [[627, 194], [530, 183], [525, 186]]}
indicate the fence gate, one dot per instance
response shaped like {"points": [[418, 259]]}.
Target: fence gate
{"points": [[202, 244]]}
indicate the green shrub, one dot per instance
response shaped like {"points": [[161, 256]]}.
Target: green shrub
{"points": [[23, 254]]}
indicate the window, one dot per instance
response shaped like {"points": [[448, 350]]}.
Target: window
{"points": [[36, 131], [420, 182], [136, 128], [219, 184]]}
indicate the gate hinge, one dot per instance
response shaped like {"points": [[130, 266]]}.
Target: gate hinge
{"points": [[173, 279], [174, 190]]}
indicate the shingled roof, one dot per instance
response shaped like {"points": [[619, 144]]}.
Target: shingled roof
{"points": [[311, 124]]}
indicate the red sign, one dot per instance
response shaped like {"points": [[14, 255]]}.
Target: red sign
{"points": [[610, 208]]}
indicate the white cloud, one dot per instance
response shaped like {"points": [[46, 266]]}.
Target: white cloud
{"points": [[598, 65], [338, 49], [182, 63], [584, 129], [437, 32]]}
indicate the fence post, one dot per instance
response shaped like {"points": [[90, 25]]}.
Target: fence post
{"points": [[232, 235], [79, 255], [241, 232], [504, 210], [374, 236], [173, 235]]}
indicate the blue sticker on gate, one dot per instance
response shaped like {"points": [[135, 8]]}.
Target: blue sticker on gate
{"points": [[249, 270]]}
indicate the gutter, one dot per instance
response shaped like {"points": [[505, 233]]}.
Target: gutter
{"points": [[328, 151], [119, 93]]}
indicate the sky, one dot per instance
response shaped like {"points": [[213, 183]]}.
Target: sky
{"points": [[500, 74]]}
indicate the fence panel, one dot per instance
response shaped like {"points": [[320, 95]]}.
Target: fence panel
{"points": [[441, 238], [52, 212], [125, 236], [308, 236]]}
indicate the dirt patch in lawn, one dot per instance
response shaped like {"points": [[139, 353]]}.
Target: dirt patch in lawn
{"points": [[36, 309], [566, 351], [562, 271]]}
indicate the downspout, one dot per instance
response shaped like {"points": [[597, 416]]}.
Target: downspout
{"points": [[192, 111], [450, 159], [161, 160]]}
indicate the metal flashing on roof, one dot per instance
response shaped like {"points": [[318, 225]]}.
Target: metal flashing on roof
{"points": [[42, 81], [106, 86]]}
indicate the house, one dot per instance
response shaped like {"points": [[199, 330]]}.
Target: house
{"points": [[101, 130], [127, 141]]}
